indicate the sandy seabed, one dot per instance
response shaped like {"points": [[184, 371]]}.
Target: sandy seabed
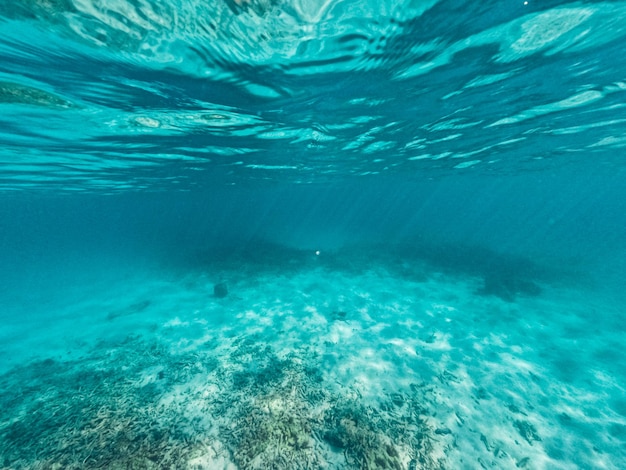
{"points": [[317, 365]]}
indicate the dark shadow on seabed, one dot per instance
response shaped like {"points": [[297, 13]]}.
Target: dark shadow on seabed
{"points": [[502, 275]]}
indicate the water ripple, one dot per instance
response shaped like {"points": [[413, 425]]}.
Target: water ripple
{"points": [[321, 89]]}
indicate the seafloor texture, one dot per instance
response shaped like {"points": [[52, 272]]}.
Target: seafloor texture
{"points": [[315, 361]]}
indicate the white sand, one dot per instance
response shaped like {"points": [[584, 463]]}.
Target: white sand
{"points": [[535, 383]]}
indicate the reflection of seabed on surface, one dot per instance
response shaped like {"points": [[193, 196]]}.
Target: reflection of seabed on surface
{"points": [[311, 368]]}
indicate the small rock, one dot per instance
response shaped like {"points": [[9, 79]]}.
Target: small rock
{"points": [[220, 290]]}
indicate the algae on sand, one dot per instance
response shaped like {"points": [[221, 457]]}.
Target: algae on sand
{"points": [[137, 404]]}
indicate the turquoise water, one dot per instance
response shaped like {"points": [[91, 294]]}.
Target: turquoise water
{"points": [[297, 235]]}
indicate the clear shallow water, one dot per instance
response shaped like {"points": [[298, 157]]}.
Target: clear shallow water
{"points": [[418, 209]]}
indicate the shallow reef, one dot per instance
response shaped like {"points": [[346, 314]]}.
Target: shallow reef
{"points": [[135, 404]]}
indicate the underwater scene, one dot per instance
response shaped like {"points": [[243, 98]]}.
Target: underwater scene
{"points": [[321, 234]]}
